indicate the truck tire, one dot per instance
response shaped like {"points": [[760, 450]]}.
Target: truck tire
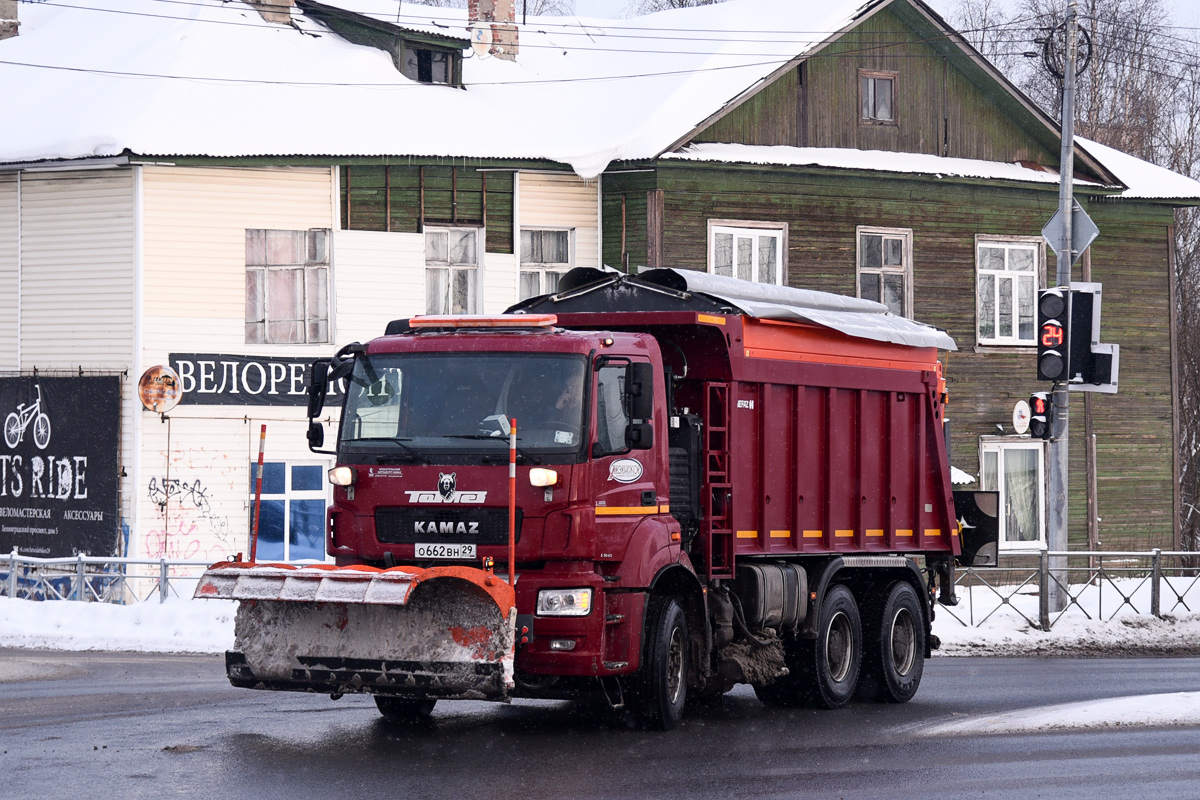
{"points": [[894, 656], [405, 709], [837, 655], [660, 687]]}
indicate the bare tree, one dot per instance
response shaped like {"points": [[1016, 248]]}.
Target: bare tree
{"points": [[992, 31], [535, 8], [650, 6]]}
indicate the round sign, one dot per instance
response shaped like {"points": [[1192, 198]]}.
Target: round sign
{"points": [[159, 389], [1021, 416]]}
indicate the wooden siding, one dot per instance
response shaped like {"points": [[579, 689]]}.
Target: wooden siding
{"points": [[195, 224], [77, 269], [562, 201], [402, 198], [379, 277], [9, 272], [625, 206], [939, 109], [1133, 428]]}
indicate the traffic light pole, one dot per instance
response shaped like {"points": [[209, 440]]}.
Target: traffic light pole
{"points": [[1059, 443]]}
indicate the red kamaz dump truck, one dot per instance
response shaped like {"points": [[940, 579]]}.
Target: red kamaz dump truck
{"points": [[716, 482]]}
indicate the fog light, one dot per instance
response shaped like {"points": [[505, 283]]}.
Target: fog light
{"points": [[540, 476], [562, 644], [341, 476]]}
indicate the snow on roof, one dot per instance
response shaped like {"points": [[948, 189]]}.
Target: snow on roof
{"points": [[1146, 181], [212, 78], [871, 160]]}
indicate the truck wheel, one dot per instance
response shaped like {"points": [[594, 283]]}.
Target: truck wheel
{"points": [[895, 648], [660, 690], [405, 709], [837, 657]]}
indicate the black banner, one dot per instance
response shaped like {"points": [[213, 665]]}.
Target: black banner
{"points": [[59, 465], [220, 379]]}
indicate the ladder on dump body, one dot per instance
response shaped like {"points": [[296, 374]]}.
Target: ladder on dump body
{"points": [[716, 490]]}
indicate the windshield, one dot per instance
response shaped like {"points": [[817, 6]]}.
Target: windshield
{"points": [[427, 405]]}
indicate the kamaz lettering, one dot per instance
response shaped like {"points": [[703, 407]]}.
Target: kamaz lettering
{"points": [[445, 527]]}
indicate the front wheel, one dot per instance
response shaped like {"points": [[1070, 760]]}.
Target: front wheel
{"points": [[405, 709], [41, 431], [660, 690]]}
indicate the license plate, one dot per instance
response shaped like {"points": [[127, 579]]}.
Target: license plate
{"points": [[445, 550]]}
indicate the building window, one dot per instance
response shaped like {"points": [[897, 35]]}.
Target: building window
{"points": [[885, 268], [1015, 469], [1006, 281], [749, 251], [545, 256], [451, 259], [877, 93], [291, 518], [287, 286], [426, 66]]}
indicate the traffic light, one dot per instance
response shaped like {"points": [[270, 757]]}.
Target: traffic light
{"points": [[1041, 414], [1053, 342]]}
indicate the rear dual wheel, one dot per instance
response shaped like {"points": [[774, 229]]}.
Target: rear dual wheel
{"points": [[824, 671], [895, 649]]}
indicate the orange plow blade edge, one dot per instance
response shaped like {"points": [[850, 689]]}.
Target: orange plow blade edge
{"points": [[444, 632]]}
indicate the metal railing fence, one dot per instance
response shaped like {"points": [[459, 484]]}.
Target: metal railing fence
{"points": [[98, 579], [1095, 585], [1098, 585]]}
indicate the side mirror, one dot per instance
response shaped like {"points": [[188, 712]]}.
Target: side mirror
{"points": [[639, 436], [316, 434], [318, 385], [640, 384]]}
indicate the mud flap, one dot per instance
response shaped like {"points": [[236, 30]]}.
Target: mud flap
{"points": [[446, 632]]}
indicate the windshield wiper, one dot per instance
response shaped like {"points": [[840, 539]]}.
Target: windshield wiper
{"points": [[503, 439], [409, 451]]}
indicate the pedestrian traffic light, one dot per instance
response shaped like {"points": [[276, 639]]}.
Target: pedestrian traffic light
{"points": [[1041, 414], [1053, 337]]}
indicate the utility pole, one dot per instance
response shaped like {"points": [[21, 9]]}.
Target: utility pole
{"points": [[1059, 443]]}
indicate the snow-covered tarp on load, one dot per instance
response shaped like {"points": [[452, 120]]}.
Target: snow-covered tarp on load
{"points": [[863, 319]]}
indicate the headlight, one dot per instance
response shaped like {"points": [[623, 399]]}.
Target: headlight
{"points": [[564, 602], [341, 476], [540, 476]]}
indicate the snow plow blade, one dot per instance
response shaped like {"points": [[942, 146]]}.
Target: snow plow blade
{"points": [[444, 632]]}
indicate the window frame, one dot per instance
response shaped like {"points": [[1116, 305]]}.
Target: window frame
{"points": [[306, 267], [998, 444], [877, 75], [542, 267], [1014, 344], [906, 234], [289, 494], [754, 228], [453, 268]]}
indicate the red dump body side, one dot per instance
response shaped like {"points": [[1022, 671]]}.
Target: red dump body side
{"points": [[814, 442]]}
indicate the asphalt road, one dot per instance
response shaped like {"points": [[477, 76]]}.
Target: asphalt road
{"points": [[135, 725]]}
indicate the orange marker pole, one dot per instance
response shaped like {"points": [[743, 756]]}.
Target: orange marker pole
{"points": [[262, 443], [512, 502]]}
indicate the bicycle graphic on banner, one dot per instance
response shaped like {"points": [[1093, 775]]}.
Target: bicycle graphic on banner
{"points": [[17, 421]]}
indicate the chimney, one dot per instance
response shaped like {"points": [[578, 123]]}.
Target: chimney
{"points": [[276, 11], [8, 19], [501, 17]]}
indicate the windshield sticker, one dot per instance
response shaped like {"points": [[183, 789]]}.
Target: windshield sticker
{"points": [[625, 470], [385, 472], [447, 492], [563, 437]]}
